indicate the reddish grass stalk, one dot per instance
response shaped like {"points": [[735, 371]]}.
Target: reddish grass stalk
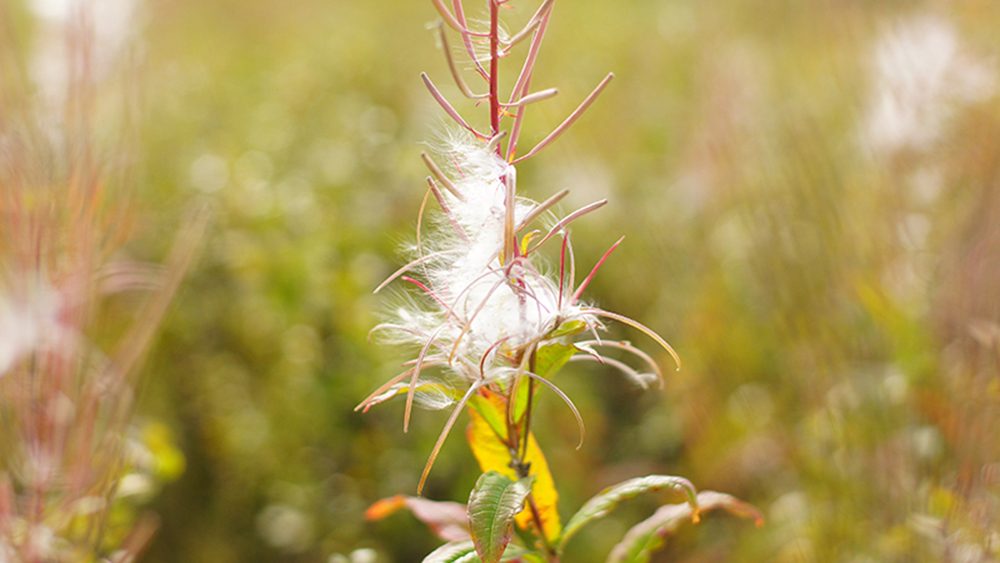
{"points": [[66, 403]]}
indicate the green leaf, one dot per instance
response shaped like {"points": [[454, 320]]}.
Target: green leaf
{"points": [[489, 445], [603, 502], [647, 536], [454, 552], [569, 328], [465, 552], [551, 357], [494, 502]]}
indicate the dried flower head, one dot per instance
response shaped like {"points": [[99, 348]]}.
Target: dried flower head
{"points": [[488, 304], [494, 326]]}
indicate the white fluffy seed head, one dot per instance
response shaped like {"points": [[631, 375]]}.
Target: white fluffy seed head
{"points": [[478, 304]]}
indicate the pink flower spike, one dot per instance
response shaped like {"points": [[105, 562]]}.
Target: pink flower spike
{"points": [[562, 270], [436, 171], [532, 98], [567, 400], [583, 285], [543, 11], [455, 74], [444, 434], [411, 265], [523, 81], [636, 325], [541, 208], [447, 107], [433, 295], [416, 374], [452, 20], [447, 210], [467, 37], [569, 219], [569, 120]]}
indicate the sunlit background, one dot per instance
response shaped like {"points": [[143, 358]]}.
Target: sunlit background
{"points": [[810, 195]]}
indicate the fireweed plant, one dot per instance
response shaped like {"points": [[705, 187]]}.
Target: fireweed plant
{"points": [[74, 464], [493, 327]]}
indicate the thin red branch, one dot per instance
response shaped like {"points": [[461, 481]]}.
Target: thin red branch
{"points": [[586, 281], [494, 72], [524, 80], [467, 37]]}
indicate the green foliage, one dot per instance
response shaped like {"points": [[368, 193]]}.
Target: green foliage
{"points": [[647, 536], [602, 503], [493, 504], [465, 552], [552, 356], [454, 552]]}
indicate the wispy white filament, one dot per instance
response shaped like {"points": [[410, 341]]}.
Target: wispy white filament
{"points": [[481, 306]]}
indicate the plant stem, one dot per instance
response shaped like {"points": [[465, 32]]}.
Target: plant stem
{"points": [[527, 413], [519, 462], [521, 469], [494, 74], [517, 436], [550, 552]]}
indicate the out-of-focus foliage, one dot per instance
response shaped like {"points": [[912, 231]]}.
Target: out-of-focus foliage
{"points": [[809, 194], [78, 305]]}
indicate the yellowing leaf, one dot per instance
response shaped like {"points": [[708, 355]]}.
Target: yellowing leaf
{"points": [[449, 520], [384, 507], [486, 435]]}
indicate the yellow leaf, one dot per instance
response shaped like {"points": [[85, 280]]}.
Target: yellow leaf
{"points": [[487, 443]]}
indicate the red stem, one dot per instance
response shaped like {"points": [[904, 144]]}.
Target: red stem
{"points": [[494, 75]]}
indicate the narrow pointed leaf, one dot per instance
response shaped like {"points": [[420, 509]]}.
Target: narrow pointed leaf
{"points": [[606, 500], [494, 502], [454, 552], [647, 536], [448, 520], [486, 435], [465, 552]]}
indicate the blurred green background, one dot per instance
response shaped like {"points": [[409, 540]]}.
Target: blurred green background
{"points": [[809, 194]]}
